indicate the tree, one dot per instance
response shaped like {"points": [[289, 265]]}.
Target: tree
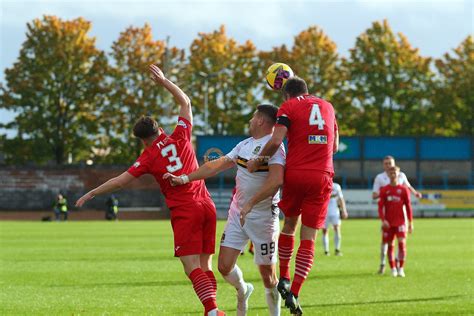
{"points": [[314, 58], [454, 97], [133, 93], [389, 81], [55, 87], [230, 70]]}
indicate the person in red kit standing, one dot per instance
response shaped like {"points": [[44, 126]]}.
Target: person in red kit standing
{"points": [[193, 214], [310, 125], [394, 210]]}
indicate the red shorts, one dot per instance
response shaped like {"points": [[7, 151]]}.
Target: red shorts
{"points": [[194, 228], [307, 193], [388, 234]]}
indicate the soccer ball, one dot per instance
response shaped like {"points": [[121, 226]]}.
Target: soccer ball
{"points": [[277, 75]]}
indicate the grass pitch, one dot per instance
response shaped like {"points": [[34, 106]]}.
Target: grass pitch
{"points": [[128, 268]]}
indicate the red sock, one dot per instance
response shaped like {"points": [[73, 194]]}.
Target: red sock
{"points": [[402, 252], [391, 257], [304, 262], [212, 278], [286, 244], [204, 289]]}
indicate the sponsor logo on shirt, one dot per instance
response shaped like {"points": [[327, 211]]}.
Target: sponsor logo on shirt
{"points": [[393, 198], [182, 123], [317, 139], [136, 164]]}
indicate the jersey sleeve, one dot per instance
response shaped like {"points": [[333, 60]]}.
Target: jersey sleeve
{"points": [[284, 115], [279, 157], [381, 205], [183, 129], [140, 167], [234, 153], [408, 205], [377, 184], [339, 192], [404, 181]]}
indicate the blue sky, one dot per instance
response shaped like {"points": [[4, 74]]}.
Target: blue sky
{"points": [[435, 27]]}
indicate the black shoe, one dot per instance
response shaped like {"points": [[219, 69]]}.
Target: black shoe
{"points": [[338, 253], [292, 303], [326, 253], [283, 287]]}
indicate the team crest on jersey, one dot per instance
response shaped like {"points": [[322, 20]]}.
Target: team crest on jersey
{"points": [[182, 123], [136, 164], [399, 191], [257, 150], [317, 139]]}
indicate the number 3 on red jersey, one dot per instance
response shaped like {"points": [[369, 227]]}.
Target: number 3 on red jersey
{"points": [[316, 118], [172, 155]]}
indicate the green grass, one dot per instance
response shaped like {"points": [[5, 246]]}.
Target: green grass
{"points": [[128, 268]]}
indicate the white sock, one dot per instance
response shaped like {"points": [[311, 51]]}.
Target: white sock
{"points": [[383, 253], [273, 301], [337, 240], [326, 242], [236, 278]]}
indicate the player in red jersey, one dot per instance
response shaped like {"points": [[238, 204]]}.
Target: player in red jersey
{"points": [[394, 201], [310, 125], [193, 214]]}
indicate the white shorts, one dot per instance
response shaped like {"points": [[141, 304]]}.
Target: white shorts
{"points": [[262, 227], [332, 219]]}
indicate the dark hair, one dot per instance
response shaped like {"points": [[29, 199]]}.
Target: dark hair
{"points": [[295, 86], [269, 111], [145, 127]]}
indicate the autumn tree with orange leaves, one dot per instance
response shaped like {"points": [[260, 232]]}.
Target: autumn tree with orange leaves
{"points": [[55, 88]]}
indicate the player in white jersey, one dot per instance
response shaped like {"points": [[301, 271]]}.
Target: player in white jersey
{"points": [[253, 213], [381, 180], [336, 211]]}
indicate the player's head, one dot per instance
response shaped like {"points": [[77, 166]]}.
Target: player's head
{"points": [[263, 119], [393, 173], [294, 87], [146, 128], [388, 162]]}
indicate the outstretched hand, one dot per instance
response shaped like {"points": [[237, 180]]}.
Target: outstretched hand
{"points": [[83, 199], [174, 180], [156, 73]]}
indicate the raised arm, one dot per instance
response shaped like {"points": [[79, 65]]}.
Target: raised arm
{"points": [[279, 133], [180, 97], [207, 170], [111, 185]]}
